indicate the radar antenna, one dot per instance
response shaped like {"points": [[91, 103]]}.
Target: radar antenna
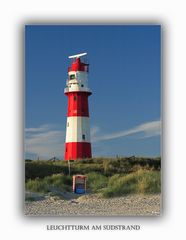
{"points": [[78, 55]]}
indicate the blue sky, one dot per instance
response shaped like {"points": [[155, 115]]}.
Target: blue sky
{"points": [[124, 78]]}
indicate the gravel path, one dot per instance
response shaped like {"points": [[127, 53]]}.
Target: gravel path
{"points": [[92, 205]]}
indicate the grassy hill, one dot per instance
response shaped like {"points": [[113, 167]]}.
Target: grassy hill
{"points": [[107, 176]]}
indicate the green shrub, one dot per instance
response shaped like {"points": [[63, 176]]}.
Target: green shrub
{"points": [[141, 182], [96, 181], [37, 185], [55, 182], [149, 182]]}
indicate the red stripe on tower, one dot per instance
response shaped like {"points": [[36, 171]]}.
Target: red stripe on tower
{"points": [[77, 145]]}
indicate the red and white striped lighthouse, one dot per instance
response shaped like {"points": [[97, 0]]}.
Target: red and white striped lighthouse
{"points": [[77, 145]]}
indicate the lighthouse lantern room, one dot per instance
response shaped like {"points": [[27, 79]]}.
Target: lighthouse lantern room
{"points": [[77, 144]]}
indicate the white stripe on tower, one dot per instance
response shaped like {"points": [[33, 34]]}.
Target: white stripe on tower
{"points": [[78, 129]]}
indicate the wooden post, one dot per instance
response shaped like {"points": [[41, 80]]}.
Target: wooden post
{"points": [[68, 167]]}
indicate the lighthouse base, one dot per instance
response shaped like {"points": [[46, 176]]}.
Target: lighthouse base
{"points": [[77, 150]]}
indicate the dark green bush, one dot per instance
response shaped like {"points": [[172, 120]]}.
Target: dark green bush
{"points": [[42, 169]]}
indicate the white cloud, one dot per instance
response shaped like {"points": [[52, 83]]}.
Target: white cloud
{"points": [[47, 140], [44, 141], [149, 129], [94, 130], [42, 128]]}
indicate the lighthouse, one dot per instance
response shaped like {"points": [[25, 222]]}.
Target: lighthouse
{"points": [[77, 143]]}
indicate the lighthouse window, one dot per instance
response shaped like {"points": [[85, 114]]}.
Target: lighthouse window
{"points": [[83, 136], [72, 76], [74, 98]]}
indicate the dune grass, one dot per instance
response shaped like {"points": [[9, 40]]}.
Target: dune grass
{"points": [[140, 182], [104, 166], [58, 182], [96, 181], [108, 176]]}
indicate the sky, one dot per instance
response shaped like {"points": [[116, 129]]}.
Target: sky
{"points": [[124, 77]]}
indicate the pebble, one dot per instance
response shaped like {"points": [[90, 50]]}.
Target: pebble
{"points": [[93, 205]]}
